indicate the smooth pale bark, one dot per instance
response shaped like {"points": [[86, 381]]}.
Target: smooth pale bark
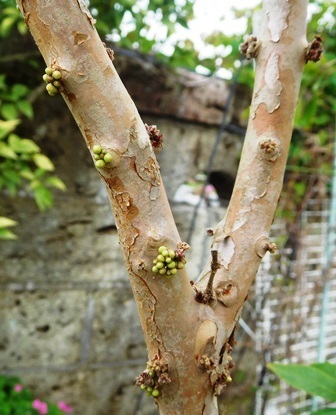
{"points": [[175, 326]]}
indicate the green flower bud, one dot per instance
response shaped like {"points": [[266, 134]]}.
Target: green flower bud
{"points": [[101, 155], [97, 149], [143, 387], [48, 70], [108, 157], [165, 252], [104, 151], [160, 265], [162, 271], [56, 75], [149, 389], [155, 269], [155, 261], [162, 248], [57, 84], [155, 393], [173, 271], [168, 260], [100, 164], [151, 374], [160, 258], [96, 157], [168, 272], [180, 265], [51, 89], [171, 253], [47, 78], [172, 265]]}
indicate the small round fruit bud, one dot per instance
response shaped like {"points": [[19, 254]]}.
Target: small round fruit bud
{"points": [[46, 78], [168, 259], [171, 253], [162, 248], [160, 265], [173, 271], [151, 374], [56, 75], [108, 157], [180, 265], [172, 265], [155, 261], [104, 151], [162, 271], [165, 252], [51, 89], [143, 387], [100, 164], [168, 272], [57, 84], [160, 258], [229, 379], [48, 70], [155, 269], [97, 149], [155, 393], [149, 389], [101, 155], [96, 157]]}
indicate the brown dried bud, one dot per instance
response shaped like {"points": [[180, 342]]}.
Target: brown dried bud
{"points": [[314, 50], [155, 136]]}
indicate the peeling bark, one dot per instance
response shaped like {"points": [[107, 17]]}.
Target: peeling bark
{"points": [[195, 340]]}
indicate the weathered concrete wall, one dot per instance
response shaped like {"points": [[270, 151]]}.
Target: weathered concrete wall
{"points": [[69, 325]]}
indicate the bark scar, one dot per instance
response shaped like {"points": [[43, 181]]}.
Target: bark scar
{"points": [[277, 18], [269, 94]]}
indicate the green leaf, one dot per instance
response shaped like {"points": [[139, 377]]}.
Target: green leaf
{"points": [[10, 11], [43, 162], [22, 145], [43, 197], [6, 222], [326, 367], [12, 176], [6, 25], [22, 27], [326, 411], [54, 181], [7, 234], [7, 152], [27, 174], [299, 188], [19, 91], [9, 111], [317, 380], [7, 126], [26, 108]]}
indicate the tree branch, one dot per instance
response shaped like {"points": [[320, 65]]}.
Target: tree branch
{"points": [[191, 341]]}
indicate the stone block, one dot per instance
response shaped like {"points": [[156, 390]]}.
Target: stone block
{"points": [[116, 333], [40, 328]]}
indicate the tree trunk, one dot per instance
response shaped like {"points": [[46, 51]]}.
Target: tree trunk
{"points": [[192, 339]]}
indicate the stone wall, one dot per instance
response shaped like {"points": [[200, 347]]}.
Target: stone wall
{"points": [[69, 326]]}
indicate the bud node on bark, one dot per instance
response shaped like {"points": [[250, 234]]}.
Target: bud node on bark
{"points": [[250, 47], [264, 245], [227, 293], [314, 50], [271, 148]]}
